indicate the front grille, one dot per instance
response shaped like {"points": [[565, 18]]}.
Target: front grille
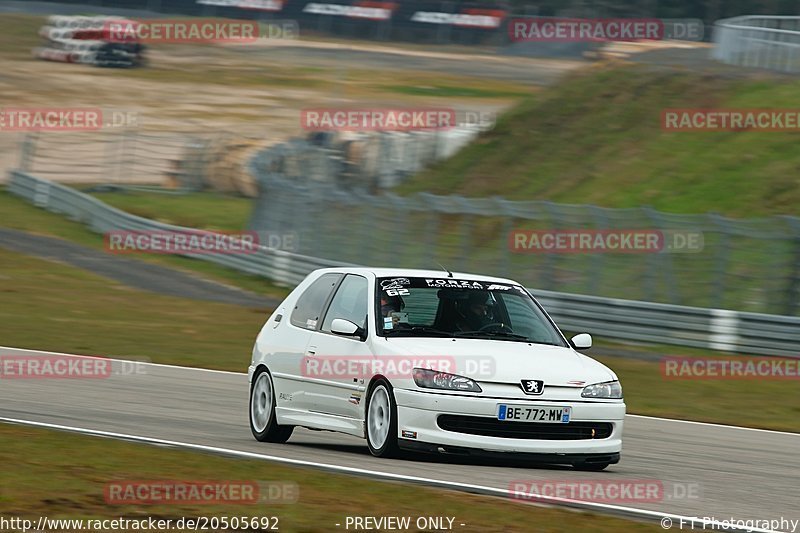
{"points": [[492, 427]]}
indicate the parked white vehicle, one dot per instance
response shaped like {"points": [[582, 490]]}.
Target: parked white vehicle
{"points": [[436, 362]]}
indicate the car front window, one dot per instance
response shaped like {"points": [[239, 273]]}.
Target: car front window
{"points": [[447, 307]]}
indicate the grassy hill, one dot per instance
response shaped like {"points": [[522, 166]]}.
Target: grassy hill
{"points": [[597, 138]]}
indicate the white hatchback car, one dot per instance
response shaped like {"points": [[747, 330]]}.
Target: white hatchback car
{"points": [[434, 362]]}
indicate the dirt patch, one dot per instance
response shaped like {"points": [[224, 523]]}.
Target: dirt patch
{"points": [[248, 96]]}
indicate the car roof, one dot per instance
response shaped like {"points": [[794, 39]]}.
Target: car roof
{"points": [[414, 273]]}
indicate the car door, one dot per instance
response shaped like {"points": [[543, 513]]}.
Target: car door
{"points": [[291, 386], [337, 389]]}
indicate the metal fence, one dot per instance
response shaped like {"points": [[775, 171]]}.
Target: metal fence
{"points": [[730, 331], [747, 265], [368, 161], [124, 156], [759, 41]]}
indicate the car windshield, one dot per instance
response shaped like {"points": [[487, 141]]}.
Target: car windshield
{"points": [[448, 307]]}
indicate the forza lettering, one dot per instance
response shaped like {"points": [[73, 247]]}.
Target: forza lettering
{"points": [[454, 283]]}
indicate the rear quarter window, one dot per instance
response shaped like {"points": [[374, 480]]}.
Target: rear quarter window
{"points": [[308, 309]]}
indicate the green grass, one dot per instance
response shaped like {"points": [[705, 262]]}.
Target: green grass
{"points": [[61, 475], [20, 34], [351, 81], [450, 91], [84, 313], [205, 210], [224, 75], [596, 138], [50, 306], [758, 403]]}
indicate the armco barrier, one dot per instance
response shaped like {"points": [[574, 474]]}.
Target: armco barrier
{"points": [[277, 265], [717, 329], [770, 42]]}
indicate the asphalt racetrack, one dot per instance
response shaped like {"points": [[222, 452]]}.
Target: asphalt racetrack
{"points": [[731, 472]]}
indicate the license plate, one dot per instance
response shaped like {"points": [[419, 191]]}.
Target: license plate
{"points": [[534, 413]]}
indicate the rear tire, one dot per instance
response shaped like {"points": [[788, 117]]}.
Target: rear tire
{"points": [[263, 423], [381, 420]]}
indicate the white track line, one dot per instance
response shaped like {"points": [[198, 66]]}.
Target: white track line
{"points": [[710, 424], [630, 512], [148, 363]]}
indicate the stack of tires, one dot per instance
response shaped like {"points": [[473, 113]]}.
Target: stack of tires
{"points": [[89, 40]]}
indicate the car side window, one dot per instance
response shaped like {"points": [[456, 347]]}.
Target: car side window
{"points": [[309, 306], [350, 302]]}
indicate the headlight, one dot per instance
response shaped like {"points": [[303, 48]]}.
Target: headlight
{"points": [[610, 389], [433, 379]]}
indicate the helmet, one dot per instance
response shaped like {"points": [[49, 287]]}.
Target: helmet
{"points": [[479, 298], [393, 304], [465, 303]]}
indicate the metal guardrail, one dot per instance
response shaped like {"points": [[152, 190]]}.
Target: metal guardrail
{"points": [[277, 265], [770, 42], [717, 329], [695, 327]]}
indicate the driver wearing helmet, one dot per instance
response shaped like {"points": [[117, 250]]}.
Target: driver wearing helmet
{"points": [[390, 304], [474, 312], [390, 308]]}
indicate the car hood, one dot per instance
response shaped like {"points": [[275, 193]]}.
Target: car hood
{"points": [[504, 361]]}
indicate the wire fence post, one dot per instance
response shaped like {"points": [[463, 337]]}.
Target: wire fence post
{"points": [[27, 152]]}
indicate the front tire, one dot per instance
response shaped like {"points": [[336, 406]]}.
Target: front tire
{"points": [[381, 420], [263, 423]]}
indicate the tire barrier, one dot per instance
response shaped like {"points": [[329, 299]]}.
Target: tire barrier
{"points": [[86, 40], [53, 54]]}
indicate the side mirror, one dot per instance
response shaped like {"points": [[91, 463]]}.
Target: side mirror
{"points": [[582, 341], [340, 326]]}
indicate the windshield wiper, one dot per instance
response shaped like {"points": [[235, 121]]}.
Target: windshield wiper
{"points": [[416, 331], [492, 334]]}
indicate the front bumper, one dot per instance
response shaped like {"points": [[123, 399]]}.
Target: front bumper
{"points": [[417, 414]]}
